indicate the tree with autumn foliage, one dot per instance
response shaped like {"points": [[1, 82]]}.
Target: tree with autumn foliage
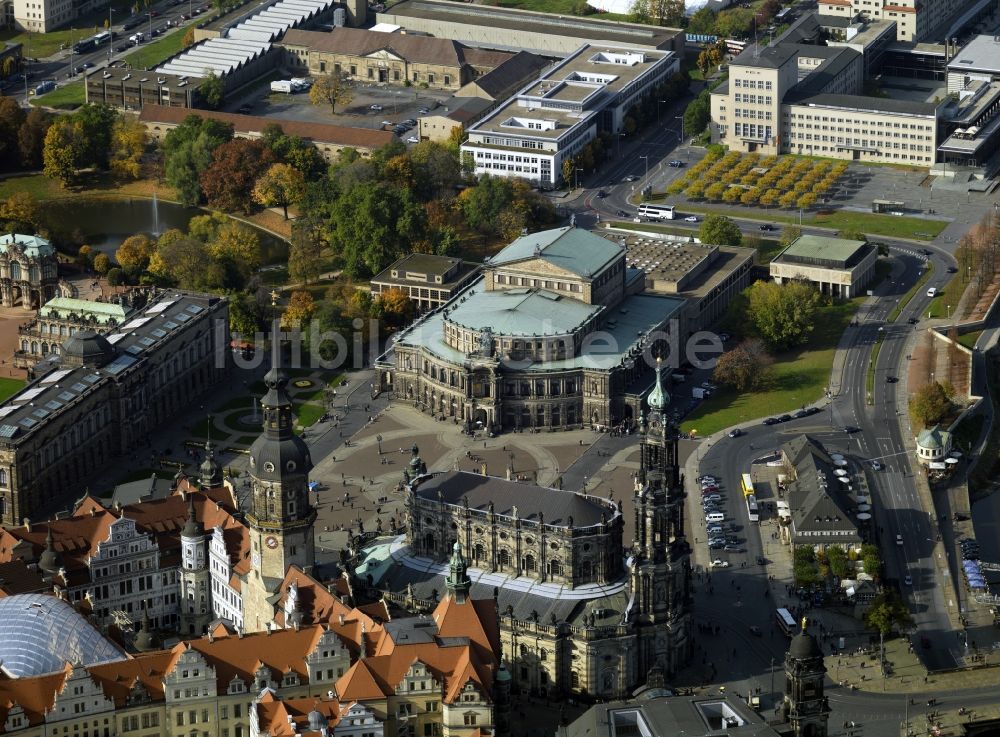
{"points": [[62, 151], [236, 166], [128, 142], [332, 90], [134, 253], [395, 307], [301, 307], [20, 213], [238, 244], [280, 186]]}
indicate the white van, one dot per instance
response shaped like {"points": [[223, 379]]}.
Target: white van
{"points": [[715, 517], [932, 291]]}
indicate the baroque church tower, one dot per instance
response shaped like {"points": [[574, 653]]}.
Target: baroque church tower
{"points": [[805, 706], [281, 519], [660, 575]]}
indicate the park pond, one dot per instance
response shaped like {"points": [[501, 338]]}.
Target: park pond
{"points": [[104, 222]]}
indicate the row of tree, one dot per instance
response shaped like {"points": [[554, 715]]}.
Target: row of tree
{"points": [[93, 137], [22, 135]]}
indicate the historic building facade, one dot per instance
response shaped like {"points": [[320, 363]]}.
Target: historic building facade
{"points": [[280, 519], [29, 270], [592, 623], [101, 396], [553, 335], [59, 319]]}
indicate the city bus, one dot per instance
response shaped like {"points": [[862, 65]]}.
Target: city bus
{"points": [[92, 43], [656, 212], [746, 483], [752, 510], [787, 622]]}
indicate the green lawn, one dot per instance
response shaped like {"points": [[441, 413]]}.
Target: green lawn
{"points": [[307, 414], [152, 54], [944, 303], [842, 220], [798, 377], [9, 387], [909, 295], [64, 97], [872, 363], [969, 339], [37, 185]]}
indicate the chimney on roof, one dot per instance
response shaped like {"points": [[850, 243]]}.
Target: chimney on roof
{"points": [[27, 524], [211, 637], [295, 623], [341, 619]]}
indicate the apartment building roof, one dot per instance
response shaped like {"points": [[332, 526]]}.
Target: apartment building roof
{"points": [[981, 54], [309, 717], [414, 49], [769, 57], [862, 103], [319, 133]]}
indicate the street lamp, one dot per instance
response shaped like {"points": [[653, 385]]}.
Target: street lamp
{"points": [[378, 439], [681, 118], [576, 175], [646, 159]]}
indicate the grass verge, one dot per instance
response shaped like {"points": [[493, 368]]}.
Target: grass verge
{"points": [[969, 340], [840, 220], [947, 298], [307, 414], [10, 387], [152, 54], [872, 363], [909, 295], [798, 377], [65, 97]]}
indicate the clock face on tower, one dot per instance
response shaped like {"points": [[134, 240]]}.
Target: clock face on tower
{"points": [[271, 541], [655, 421]]}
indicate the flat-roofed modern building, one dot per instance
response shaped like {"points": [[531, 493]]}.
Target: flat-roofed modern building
{"points": [[552, 335], [428, 280], [806, 100], [706, 276], [916, 20], [553, 118], [839, 267], [525, 30]]}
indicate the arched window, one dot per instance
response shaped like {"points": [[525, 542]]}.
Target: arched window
{"points": [[555, 568], [3, 477], [529, 564], [478, 553], [503, 558]]}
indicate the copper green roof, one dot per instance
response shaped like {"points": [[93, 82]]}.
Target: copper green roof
{"points": [[572, 249]]}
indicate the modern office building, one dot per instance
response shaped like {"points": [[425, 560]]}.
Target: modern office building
{"points": [[102, 396], [514, 29], [923, 20], [551, 120], [552, 335], [429, 281], [389, 58], [806, 100], [839, 267]]}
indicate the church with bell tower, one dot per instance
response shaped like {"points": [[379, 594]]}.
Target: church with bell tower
{"points": [[280, 518], [660, 574]]}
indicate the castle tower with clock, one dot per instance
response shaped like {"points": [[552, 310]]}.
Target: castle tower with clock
{"points": [[280, 518], [660, 575]]}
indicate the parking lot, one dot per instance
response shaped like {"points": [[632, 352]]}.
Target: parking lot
{"points": [[396, 103]]}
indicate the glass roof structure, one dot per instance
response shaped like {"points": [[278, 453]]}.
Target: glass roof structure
{"points": [[40, 633]]}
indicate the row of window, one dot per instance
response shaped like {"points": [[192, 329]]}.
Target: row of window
{"points": [[752, 99], [753, 84], [752, 114], [809, 118], [750, 130]]}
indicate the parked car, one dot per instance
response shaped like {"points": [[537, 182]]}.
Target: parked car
{"points": [[908, 580], [413, 139], [719, 563], [706, 477], [800, 414], [813, 411], [891, 379], [676, 163], [375, 108], [784, 418], [730, 548], [714, 497], [771, 421], [899, 539], [876, 466], [735, 432]]}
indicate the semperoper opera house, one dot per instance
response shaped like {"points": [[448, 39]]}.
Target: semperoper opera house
{"points": [[101, 397], [551, 336]]}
